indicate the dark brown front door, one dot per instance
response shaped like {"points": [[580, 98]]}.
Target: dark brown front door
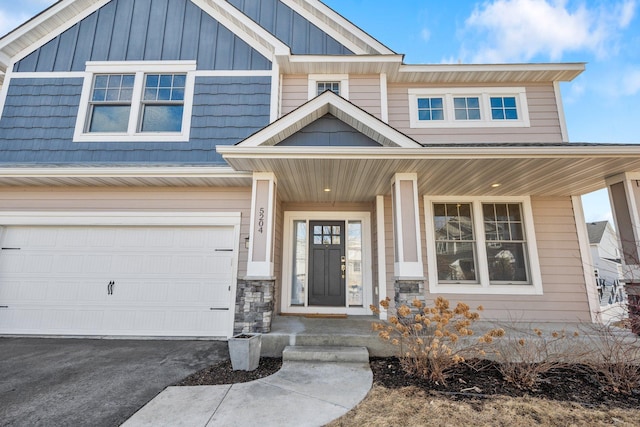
{"points": [[326, 263]]}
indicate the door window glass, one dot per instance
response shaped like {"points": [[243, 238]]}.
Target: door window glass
{"points": [[354, 263]]}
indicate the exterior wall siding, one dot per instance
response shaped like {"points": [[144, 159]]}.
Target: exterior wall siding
{"points": [[302, 36], [145, 30], [295, 92], [39, 118], [543, 114], [565, 295], [329, 131], [364, 91], [142, 199]]}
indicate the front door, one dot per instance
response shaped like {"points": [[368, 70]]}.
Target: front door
{"points": [[327, 265]]}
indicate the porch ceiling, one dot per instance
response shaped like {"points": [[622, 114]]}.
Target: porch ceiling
{"points": [[357, 175]]}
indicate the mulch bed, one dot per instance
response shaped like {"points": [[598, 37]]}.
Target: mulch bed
{"points": [[480, 379]]}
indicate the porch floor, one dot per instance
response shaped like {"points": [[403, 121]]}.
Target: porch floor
{"points": [[354, 331], [351, 331]]}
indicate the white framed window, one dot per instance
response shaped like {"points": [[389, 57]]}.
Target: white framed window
{"points": [[136, 101], [468, 107], [481, 245], [337, 83]]}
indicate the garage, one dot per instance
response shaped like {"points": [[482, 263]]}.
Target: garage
{"points": [[118, 280]]}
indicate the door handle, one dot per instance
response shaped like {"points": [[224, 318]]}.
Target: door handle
{"points": [[110, 287]]}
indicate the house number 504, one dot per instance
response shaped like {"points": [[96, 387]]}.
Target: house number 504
{"points": [[260, 220]]}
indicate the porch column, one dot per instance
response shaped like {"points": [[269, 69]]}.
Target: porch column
{"points": [[408, 268], [624, 194], [255, 297]]}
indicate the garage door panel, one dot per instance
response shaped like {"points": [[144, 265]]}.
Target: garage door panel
{"points": [[165, 280]]}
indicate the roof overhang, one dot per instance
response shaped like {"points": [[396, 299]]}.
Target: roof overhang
{"points": [[327, 103], [123, 176], [358, 174], [398, 72]]}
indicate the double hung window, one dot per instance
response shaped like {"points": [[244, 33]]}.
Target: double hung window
{"points": [[481, 246], [136, 102]]}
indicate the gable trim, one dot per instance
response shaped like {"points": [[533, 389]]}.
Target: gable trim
{"points": [[331, 22], [70, 12], [242, 26], [329, 103]]}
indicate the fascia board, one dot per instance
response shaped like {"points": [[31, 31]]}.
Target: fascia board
{"points": [[430, 153], [324, 104], [122, 172], [320, 14], [448, 68], [251, 31], [53, 25]]}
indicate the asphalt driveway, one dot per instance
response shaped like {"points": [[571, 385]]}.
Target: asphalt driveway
{"points": [[86, 382]]}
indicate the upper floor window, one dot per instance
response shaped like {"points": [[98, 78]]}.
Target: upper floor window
{"points": [[325, 86], [141, 101], [504, 108], [430, 109], [336, 83], [468, 107]]}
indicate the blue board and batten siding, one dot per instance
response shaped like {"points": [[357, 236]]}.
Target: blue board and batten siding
{"points": [[302, 36], [145, 30], [40, 114]]}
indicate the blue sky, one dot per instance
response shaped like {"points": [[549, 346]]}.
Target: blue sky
{"points": [[601, 105]]}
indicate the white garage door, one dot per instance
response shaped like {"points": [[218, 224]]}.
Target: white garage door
{"points": [[147, 281]]}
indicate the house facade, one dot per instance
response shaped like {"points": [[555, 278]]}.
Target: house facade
{"points": [[607, 268], [196, 167]]}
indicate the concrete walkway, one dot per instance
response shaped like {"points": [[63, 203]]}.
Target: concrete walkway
{"points": [[311, 389]]}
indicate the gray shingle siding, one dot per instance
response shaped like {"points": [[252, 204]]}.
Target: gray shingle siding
{"points": [[136, 30], [302, 36], [329, 131], [39, 118]]}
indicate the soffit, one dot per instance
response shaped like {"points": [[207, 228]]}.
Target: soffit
{"points": [[123, 177], [397, 72], [352, 177]]}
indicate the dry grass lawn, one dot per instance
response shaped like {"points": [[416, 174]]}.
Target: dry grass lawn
{"points": [[411, 406]]}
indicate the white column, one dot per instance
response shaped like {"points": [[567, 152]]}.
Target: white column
{"points": [[406, 223], [262, 230], [382, 255]]}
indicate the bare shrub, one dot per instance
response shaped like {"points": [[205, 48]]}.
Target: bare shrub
{"points": [[525, 356], [615, 357], [431, 340]]}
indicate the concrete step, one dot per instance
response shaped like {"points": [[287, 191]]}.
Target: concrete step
{"points": [[326, 354]]}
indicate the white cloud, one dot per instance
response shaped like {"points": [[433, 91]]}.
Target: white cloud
{"points": [[519, 30], [425, 34], [631, 82], [627, 12]]}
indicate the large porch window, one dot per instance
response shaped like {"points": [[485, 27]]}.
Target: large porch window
{"points": [[481, 246], [305, 237]]}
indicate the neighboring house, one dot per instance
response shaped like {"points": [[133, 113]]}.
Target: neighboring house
{"points": [[195, 167], [607, 270]]}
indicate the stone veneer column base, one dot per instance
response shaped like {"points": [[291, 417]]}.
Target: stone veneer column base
{"points": [[408, 290], [254, 306]]}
